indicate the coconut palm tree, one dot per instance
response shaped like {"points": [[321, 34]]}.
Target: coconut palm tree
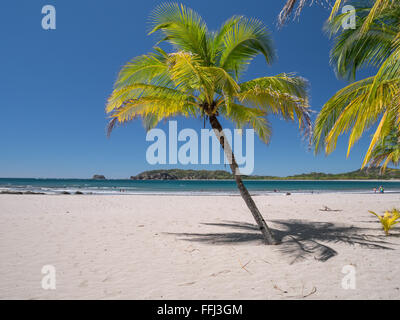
{"points": [[200, 78], [376, 41], [360, 105]]}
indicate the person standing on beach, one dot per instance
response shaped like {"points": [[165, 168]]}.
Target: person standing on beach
{"points": [[381, 189], [374, 190]]}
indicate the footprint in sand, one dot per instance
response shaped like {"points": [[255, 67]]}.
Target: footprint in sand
{"points": [[83, 284]]}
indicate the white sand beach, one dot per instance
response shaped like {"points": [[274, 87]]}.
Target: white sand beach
{"points": [[196, 247]]}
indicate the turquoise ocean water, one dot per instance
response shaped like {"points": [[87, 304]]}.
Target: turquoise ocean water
{"points": [[87, 186]]}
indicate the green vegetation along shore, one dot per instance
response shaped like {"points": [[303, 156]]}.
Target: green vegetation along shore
{"points": [[178, 174]]}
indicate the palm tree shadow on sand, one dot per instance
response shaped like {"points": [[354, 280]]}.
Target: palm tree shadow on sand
{"points": [[300, 239]]}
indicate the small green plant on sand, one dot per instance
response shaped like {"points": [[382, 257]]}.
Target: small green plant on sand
{"points": [[389, 219]]}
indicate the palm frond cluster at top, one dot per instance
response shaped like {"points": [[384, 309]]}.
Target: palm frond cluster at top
{"points": [[375, 42], [200, 76], [290, 8]]}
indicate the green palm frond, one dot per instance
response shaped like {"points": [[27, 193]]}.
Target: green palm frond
{"points": [[184, 70], [362, 104], [150, 68], [335, 8], [386, 151], [242, 41], [284, 94], [137, 90], [262, 128], [188, 73], [200, 76], [355, 49], [378, 7], [156, 107], [353, 109], [219, 35], [390, 68], [244, 116], [183, 28]]}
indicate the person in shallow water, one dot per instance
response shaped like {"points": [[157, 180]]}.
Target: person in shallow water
{"points": [[381, 189]]}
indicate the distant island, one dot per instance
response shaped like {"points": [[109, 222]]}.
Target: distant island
{"points": [[179, 174], [99, 177]]}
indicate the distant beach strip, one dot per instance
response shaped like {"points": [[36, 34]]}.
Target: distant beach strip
{"points": [[188, 187]]}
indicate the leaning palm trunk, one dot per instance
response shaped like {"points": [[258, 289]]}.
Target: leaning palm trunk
{"points": [[268, 237]]}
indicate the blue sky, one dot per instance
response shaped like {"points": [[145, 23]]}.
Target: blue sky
{"points": [[54, 84]]}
